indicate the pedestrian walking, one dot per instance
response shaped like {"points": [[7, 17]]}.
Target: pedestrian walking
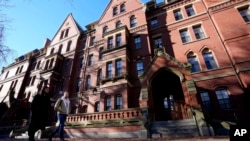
{"points": [[39, 112], [62, 106]]}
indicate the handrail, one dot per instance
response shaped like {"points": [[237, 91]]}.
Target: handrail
{"points": [[107, 115]]}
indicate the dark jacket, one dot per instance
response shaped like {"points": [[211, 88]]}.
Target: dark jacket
{"points": [[40, 107]]}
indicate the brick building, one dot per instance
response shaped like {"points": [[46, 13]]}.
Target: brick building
{"points": [[143, 66]]}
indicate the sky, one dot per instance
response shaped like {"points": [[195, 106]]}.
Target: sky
{"points": [[30, 22]]}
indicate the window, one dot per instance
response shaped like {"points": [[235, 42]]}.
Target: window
{"points": [[62, 33], [67, 65], [91, 60], [115, 11], [190, 10], [206, 100], [105, 29], [17, 70], [192, 59], [100, 53], [84, 44], [109, 70], [92, 41], [122, 8], [1, 87], [133, 21], [118, 68], [78, 86], [154, 23], [118, 40], [199, 34], [68, 46], [38, 65], [169, 102], [158, 42], [21, 69], [178, 15], [88, 82], [82, 63], [84, 109], [52, 51], [67, 33], [209, 59], [99, 77], [140, 68], [185, 37], [137, 42], [97, 106], [108, 103], [110, 42], [51, 63], [118, 102], [33, 80], [223, 98], [245, 13], [60, 49], [118, 24]]}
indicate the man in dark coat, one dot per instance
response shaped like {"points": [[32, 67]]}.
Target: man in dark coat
{"points": [[40, 112]]}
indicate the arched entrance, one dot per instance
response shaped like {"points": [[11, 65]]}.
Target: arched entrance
{"points": [[166, 91]]}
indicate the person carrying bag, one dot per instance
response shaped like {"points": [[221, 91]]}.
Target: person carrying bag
{"points": [[62, 106]]}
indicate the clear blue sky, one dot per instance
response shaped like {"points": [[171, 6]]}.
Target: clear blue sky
{"points": [[31, 21]]}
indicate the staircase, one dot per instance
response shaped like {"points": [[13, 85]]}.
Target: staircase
{"points": [[174, 129]]}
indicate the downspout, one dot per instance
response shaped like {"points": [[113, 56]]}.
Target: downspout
{"points": [[84, 68], [224, 47]]}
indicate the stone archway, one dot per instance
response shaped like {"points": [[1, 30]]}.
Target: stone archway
{"points": [[166, 91]]}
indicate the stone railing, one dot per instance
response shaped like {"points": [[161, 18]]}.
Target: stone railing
{"points": [[110, 115]]}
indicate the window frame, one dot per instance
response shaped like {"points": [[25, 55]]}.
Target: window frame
{"points": [[118, 102], [178, 14], [190, 10], [118, 68], [108, 103], [139, 68], [224, 99], [244, 12], [209, 59], [199, 32], [185, 36], [196, 63], [109, 70]]}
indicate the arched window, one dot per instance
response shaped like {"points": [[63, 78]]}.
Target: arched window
{"points": [[223, 98], [108, 103], [133, 21], [105, 29], [97, 106], [209, 59], [69, 45], [88, 82], [118, 102], [118, 24], [193, 60]]}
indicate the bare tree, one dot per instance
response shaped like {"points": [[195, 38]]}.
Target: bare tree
{"points": [[5, 51]]}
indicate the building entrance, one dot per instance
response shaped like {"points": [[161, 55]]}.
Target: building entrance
{"points": [[167, 94]]}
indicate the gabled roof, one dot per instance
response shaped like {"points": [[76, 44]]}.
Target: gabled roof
{"points": [[108, 6], [76, 25]]}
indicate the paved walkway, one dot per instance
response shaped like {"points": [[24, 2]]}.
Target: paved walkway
{"points": [[132, 139]]}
